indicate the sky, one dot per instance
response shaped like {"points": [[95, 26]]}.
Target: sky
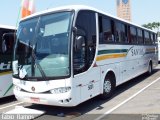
{"points": [[143, 11]]}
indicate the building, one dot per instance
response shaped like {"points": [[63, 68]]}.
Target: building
{"points": [[124, 9]]}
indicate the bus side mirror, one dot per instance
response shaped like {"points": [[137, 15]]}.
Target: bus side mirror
{"points": [[79, 38], [4, 46], [78, 43], [7, 43]]}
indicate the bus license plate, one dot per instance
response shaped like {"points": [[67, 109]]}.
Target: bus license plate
{"points": [[35, 99]]}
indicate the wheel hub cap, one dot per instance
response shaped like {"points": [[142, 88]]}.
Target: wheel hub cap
{"points": [[107, 86]]}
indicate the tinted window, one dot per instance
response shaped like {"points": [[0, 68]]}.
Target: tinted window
{"points": [[147, 38], [105, 30], [133, 35], [121, 32], [118, 32], [124, 33], [140, 36], [152, 39], [6, 45]]}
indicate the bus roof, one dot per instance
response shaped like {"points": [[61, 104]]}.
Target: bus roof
{"points": [[82, 7], [7, 27]]}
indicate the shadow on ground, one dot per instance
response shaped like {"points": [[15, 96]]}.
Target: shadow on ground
{"points": [[6, 100]]}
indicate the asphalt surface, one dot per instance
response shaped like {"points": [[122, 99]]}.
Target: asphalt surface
{"points": [[137, 99]]}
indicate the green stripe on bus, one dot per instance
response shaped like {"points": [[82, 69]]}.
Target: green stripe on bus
{"points": [[100, 52], [150, 52], [10, 87]]}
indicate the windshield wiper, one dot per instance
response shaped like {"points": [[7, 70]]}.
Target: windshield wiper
{"points": [[38, 65], [34, 41]]}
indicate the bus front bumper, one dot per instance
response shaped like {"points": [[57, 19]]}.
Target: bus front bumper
{"points": [[63, 99]]}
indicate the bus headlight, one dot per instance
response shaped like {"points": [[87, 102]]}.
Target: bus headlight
{"points": [[60, 90], [17, 88]]}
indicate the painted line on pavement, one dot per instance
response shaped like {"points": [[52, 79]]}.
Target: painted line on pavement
{"points": [[125, 101], [11, 105]]}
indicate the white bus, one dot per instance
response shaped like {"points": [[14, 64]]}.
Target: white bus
{"points": [[6, 52], [158, 48], [67, 55]]}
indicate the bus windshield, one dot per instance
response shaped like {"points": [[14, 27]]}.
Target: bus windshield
{"points": [[42, 47]]}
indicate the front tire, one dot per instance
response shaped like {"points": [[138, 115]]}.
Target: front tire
{"points": [[108, 87]]}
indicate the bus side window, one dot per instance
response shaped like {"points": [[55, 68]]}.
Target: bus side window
{"points": [[152, 40], [147, 38], [140, 36], [118, 32], [100, 30], [124, 34], [106, 34], [113, 28], [129, 34], [133, 34], [155, 36]]}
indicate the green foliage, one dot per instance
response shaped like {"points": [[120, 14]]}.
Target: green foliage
{"points": [[154, 25]]}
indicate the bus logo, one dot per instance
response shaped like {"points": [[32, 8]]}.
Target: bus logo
{"points": [[33, 89]]}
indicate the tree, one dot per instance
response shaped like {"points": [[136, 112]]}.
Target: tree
{"points": [[149, 26], [154, 25]]}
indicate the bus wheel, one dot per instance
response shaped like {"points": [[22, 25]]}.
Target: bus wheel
{"points": [[108, 87], [150, 69]]}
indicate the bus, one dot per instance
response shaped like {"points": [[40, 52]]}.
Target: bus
{"points": [[67, 55], [6, 52], [158, 48]]}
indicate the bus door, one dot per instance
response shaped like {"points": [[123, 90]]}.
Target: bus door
{"points": [[86, 75]]}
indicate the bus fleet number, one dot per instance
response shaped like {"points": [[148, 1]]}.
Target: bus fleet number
{"points": [[90, 86]]}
